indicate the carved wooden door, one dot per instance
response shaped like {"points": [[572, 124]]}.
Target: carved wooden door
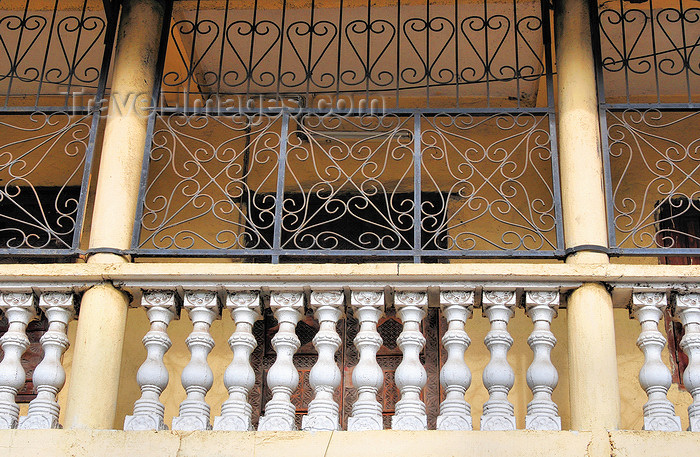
{"points": [[388, 357]]}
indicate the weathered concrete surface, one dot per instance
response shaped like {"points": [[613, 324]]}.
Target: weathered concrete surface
{"points": [[628, 443], [522, 443], [85, 443]]}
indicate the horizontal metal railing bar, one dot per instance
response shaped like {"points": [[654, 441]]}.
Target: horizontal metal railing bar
{"points": [[230, 111], [29, 252], [243, 253], [659, 106], [654, 252], [76, 110]]}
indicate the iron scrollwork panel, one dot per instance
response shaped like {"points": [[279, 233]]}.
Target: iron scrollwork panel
{"points": [[211, 183], [53, 72], [649, 52], [253, 155], [346, 173], [494, 176], [649, 87], [42, 157], [654, 162], [442, 52], [340, 185]]}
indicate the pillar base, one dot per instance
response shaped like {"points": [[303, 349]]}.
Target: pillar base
{"points": [[94, 384]]}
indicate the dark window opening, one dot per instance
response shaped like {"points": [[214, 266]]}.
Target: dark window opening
{"points": [[41, 217], [349, 222]]}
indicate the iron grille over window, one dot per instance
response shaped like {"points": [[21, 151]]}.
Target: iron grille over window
{"points": [[53, 73], [649, 89], [426, 129]]}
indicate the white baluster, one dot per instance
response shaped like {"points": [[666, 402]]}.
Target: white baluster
{"points": [[455, 377], [152, 377], [325, 374], [367, 376], [49, 376], [498, 376], [654, 377], [197, 377], [410, 374], [19, 309], [239, 377], [687, 310], [542, 376], [283, 377]]}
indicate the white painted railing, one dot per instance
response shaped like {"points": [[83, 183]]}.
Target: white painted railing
{"points": [[329, 303], [367, 305]]}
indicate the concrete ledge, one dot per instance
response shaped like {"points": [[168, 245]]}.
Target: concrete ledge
{"points": [[654, 444], [135, 272], [133, 277], [521, 443], [111, 443]]}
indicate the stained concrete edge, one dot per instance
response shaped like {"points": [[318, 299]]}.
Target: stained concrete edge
{"points": [[112, 443], [633, 443]]}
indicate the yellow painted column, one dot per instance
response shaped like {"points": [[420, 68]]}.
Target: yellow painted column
{"points": [[593, 389], [93, 389]]}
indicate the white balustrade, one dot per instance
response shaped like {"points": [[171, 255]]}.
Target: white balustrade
{"points": [[654, 376], [239, 377], [455, 377], [367, 376], [687, 311], [49, 376], [410, 375], [498, 375], [152, 377], [542, 376], [20, 309], [325, 375], [283, 377], [197, 377]]}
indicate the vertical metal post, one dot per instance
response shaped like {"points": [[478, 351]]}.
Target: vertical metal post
{"points": [[279, 195], [417, 187]]}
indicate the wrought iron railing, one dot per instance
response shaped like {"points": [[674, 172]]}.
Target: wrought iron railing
{"points": [[53, 73], [410, 131], [649, 92]]}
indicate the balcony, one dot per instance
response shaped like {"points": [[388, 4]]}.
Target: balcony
{"points": [[199, 299], [418, 221]]}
